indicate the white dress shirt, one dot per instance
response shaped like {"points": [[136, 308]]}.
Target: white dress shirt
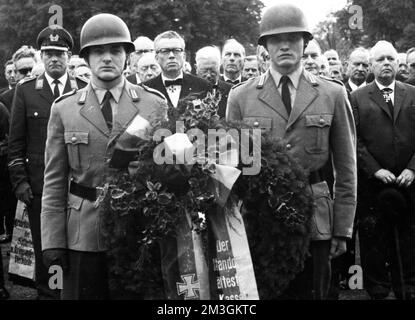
{"points": [[292, 85], [173, 91], [61, 85]]}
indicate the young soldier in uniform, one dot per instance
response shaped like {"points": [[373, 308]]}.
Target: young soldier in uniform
{"points": [[83, 129], [314, 118]]}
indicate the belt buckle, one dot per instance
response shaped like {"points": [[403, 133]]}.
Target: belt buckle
{"points": [[101, 193]]}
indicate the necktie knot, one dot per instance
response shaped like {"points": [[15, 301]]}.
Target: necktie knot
{"points": [[56, 81], [386, 94], [108, 95], [285, 80]]}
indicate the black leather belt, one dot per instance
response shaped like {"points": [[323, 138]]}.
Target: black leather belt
{"points": [[315, 177], [85, 192]]}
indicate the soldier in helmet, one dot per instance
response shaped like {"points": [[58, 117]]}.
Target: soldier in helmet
{"points": [[83, 129], [313, 117], [28, 126]]}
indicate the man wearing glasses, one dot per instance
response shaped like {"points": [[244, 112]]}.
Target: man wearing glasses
{"points": [[23, 61], [28, 128], [172, 82], [142, 46]]}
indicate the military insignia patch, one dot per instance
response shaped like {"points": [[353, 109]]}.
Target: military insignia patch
{"points": [[54, 38]]}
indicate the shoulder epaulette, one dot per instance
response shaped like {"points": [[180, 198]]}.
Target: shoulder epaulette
{"points": [[332, 80], [28, 79], [261, 81], [154, 91], [311, 77], [65, 95], [82, 79]]}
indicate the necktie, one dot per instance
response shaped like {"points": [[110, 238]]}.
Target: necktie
{"points": [[285, 93], [177, 82], [388, 99], [107, 110], [56, 93]]}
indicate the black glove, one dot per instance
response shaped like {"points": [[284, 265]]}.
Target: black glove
{"points": [[56, 257], [24, 193]]}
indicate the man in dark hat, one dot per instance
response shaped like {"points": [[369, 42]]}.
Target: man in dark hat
{"points": [[28, 126]]}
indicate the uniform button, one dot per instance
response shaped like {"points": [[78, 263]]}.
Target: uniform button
{"points": [[322, 121], [74, 139], [256, 124], [36, 114], [288, 146]]}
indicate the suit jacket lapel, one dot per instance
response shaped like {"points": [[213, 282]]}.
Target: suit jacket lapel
{"points": [[306, 94], [270, 95], [159, 85], [186, 87], [377, 96], [127, 110], [45, 92], [400, 95], [91, 111]]}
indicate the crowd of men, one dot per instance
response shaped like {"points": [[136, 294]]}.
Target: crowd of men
{"points": [[351, 124]]}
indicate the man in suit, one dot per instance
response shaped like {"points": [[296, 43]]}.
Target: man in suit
{"points": [[147, 67], [207, 67], [83, 130], [173, 82], [9, 74], [357, 69], [233, 55], [28, 126], [332, 57], [385, 117], [142, 46], [410, 62], [251, 67], [313, 116], [23, 59]]}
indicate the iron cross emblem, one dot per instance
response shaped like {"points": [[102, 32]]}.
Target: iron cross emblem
{"points": [[189, 287]]}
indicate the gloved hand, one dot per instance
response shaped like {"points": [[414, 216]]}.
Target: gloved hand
{"points": [[24, 193], [56, 257]]}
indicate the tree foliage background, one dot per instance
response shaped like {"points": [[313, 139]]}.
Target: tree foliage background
{"points": [[389, 20], [200, 22]]}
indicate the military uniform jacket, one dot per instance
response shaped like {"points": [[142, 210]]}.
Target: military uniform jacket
{"points": [[79, 147], [320, 124], [29, 118]]}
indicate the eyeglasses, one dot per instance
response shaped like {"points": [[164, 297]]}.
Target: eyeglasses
{"points": [[166, 51], [144, 51], [24, 71]]}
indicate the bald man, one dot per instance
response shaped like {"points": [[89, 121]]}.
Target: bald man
{"points": [[385, 114]]}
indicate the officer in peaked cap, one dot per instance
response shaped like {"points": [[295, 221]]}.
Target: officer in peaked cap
{"points": [[314, 118], [54, 37], [28, 126], [84, 129]]}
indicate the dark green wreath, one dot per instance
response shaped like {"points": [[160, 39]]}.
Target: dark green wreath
{"points": [[144, 208]]}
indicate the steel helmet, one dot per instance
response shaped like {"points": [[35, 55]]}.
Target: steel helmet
{"points": [[105, 28], [283, 18]]}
